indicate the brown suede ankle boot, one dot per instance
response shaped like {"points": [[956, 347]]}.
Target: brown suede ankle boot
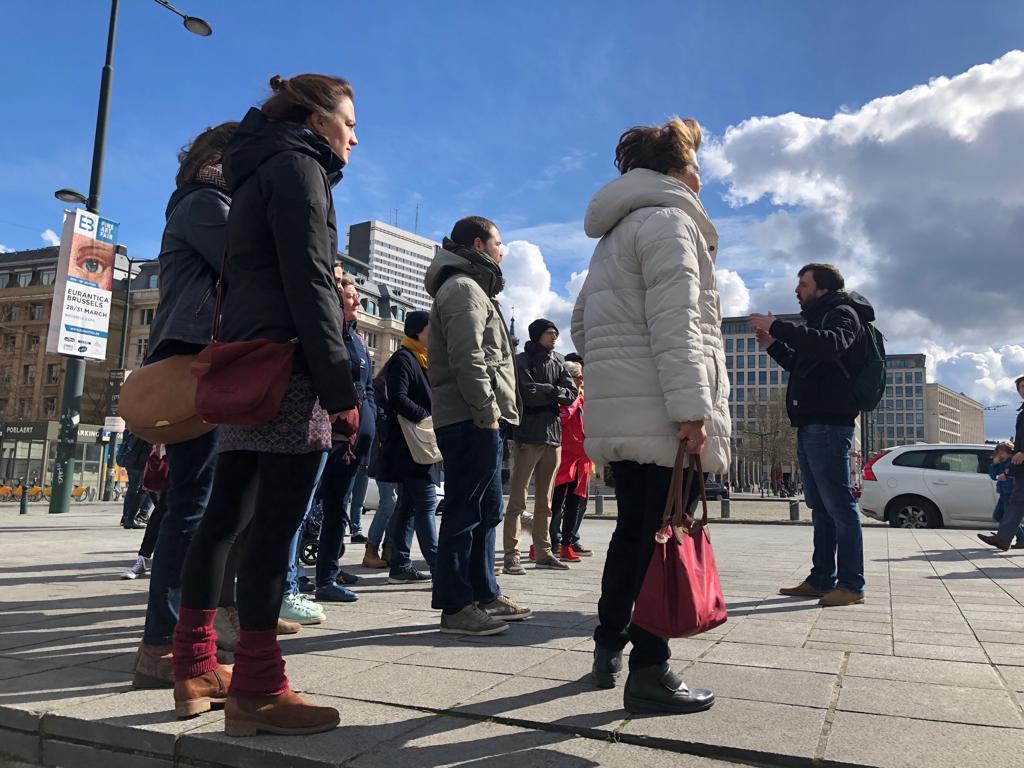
{"points": [[153, 667], [372, 558], [201, 694], [287, 714]]}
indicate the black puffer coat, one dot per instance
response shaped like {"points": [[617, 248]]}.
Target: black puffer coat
{"points": [[282, 242]]}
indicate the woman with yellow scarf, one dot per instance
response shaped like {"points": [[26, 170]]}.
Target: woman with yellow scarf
{"points": [[406, 456]]}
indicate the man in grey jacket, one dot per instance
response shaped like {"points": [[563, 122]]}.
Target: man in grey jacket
{"points": [[544, 384], [473, 379]]}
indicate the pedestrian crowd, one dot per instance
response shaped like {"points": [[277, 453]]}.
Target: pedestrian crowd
{"points": [[250, 250]]}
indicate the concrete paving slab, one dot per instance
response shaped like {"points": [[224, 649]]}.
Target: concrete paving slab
{"points": [[23, 700], [141, 721], [949, 653], [780, 686], [944, 703], [841, 637], [480, 657], [364, 726], [567, 705], [770, 657], [923, 671], [893, 742], [451, 741], [928, 638], [413, 686], [762, 728]]}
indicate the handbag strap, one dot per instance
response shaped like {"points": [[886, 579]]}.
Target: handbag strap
{"points": [[678, 495], [215, 328]]}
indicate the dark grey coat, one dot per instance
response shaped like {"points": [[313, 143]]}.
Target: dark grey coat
{"points": [[544, 384]]}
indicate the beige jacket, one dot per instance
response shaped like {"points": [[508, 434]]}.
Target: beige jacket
{"points": [[648, 321]]}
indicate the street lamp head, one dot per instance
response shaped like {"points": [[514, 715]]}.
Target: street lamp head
{"points": [[67, 195], [197, 26]]}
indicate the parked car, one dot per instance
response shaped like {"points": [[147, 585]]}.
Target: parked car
{"points": [[716, 491], [930, 486]]}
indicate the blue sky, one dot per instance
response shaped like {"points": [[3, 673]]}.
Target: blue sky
{"points": [[509, 110]]}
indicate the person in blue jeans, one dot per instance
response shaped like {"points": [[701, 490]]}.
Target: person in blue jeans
{"points": [[388, 493], [295, 607], [409, 399], [355, 499], [822, 355], [999, 470], [473, 380]]}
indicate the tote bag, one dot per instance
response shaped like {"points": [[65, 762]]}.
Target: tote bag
{"points": [[681, 595]]}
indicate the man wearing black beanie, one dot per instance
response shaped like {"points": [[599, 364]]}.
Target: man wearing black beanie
{"points": [[543, 384]]}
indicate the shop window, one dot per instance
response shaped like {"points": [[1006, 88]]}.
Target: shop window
{"points": [[37, 311]]}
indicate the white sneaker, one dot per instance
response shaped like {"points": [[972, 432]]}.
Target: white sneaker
{"points": [[138, 568], [296, 608]]}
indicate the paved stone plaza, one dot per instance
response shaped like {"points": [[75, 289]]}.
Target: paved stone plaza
{"points": [[929, 673]]}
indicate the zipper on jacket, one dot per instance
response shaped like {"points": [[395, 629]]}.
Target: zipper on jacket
{"points": [[202, 303]]}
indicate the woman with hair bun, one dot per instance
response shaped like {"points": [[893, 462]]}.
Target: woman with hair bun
{"points": [[648, 322], [282, 239]]}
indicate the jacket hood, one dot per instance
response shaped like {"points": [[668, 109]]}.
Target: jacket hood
{"points": [[458, 258], [830, 301], [642, 188], [259, 138], [184, 191]]}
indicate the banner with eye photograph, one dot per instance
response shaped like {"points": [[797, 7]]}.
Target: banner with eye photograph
{"points": [[80, 317]]}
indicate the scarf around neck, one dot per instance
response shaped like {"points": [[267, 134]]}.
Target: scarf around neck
{"points": [[418, 349]]}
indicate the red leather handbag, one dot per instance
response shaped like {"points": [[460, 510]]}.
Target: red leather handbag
{"points": [[156, 476], [241, 382], [681, 595]]}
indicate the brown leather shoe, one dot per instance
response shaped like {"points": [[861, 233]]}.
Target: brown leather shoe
{"points": [[838, 597], [803, 589], [285, 627], [994, 541], [287, 715], [153, 667], [201, 694]]}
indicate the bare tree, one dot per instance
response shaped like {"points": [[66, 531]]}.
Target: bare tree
{"points": [[767, 436]]}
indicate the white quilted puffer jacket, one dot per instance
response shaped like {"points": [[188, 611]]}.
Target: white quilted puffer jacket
{"points": [[648, 323]]}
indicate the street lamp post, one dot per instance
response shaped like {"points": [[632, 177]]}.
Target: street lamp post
{"points": [[74, 378]]}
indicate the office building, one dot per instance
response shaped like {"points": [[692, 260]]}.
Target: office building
{"points": [[952, 417], [396, 258]]}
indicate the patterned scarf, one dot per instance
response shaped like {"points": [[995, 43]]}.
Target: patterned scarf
{"points": [[212, 175], [418, 349]]}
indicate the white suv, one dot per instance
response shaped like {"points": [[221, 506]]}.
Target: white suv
{"points": [[930, 486]]}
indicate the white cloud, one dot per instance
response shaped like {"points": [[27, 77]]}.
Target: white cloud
{"points": [[733, 292], [50, 237], [916, 197], [528, 293], [5, 249]]}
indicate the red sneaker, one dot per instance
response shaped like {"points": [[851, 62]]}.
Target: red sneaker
{"points": [[567, 555]]}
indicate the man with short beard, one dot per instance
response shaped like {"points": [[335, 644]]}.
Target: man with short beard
{"points": [[822, 357]]}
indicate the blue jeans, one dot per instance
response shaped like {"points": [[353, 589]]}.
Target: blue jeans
{"points": [[291, 585], [355, 499], [1014, 514], [388, 500], [337, 480], [824, 454], [133, 504], [464, 571], [417, 502], [192, 464]]}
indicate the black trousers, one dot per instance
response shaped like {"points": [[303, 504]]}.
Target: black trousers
{"points": [[153, 525], [641, 491], [567, 511], [270, 491]]}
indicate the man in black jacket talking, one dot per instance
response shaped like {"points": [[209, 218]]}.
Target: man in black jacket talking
{"points": [[822, 357]]}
